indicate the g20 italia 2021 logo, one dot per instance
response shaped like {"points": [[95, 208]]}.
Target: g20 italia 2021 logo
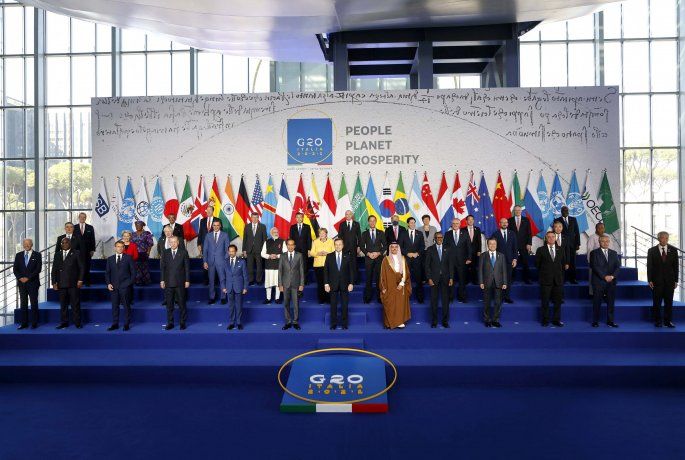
{"points": [[310, 141]]}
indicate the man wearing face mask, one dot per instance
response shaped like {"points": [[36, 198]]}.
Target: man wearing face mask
{"points": [[395, 232]]}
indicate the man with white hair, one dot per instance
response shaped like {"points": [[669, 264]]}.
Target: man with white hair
{"points": [[662, 275], [604, 266], [27, 266]]}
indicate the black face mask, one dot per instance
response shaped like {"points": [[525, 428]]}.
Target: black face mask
{"points": [[395, 224]]}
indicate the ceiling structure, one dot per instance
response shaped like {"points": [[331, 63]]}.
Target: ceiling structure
{"points": [[286, 30]]}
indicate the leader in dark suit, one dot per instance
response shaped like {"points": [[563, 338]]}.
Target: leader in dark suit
{"points": [[162, 244], [416, 247], [550, 261], [373, 246], [351, 234], [396, 233], [493, 277], [234, 285], [86, 235], [67, 278], [73, 238], [461, 250], [439, 270], [605, 265], [253, 240], [520, 225], [176, 229], [337, 278], [662, 275], [120, 274], [564, 244], [206, 226], [572, 233], [508, 246], [27, 266], [175, 275], [476, 239]]}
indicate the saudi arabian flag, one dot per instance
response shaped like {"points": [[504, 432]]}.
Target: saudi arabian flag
{"points": [[359, 205], [609, 216], [516, 191]]}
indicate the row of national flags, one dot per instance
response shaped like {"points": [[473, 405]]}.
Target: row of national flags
{"points": [[278, 207]]}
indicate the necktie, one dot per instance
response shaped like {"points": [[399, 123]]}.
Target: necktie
{"points": [[349, 225], [606, 254], [299, 229], [440, 252], [338, 257], [663, 254], [82, 229], [373, 236], [559, 238], [412, 236], [26, 258], [471, 233], [551, 251], [504, 234], [173, 254], [254, 229], [492, 259], [396, 233], [232, 263], [566, 220], [518, 223], [118, 258], [290, 258], [64, 254], [216, 237]]}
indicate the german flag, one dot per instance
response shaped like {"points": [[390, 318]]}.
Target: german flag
{"points": [[242, 206]]}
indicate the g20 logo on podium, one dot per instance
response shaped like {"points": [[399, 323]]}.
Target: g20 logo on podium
{"points": [[310, 141]]}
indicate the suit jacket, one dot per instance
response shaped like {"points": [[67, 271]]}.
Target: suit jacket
{"points": [[161, 243], [438, 269], [253, 242], [462, 250], [352, 239], [524, 235], [234, 279], [571, 231], [121, 276], [30, 271], [487, 274], [429, 239], [402, 238], [303, 239], [476, 244], [75, 242], [338, 279], [291, 277], [565, 247], [66, 273], [209, 220], [87, 238], [215, 253], [508, 249], [373, 246], [602, 267], [175, 271], [659, 272], [418, 245], [550, 272]]}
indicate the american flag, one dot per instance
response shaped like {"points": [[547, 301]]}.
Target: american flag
{"points": [[257, 199]]}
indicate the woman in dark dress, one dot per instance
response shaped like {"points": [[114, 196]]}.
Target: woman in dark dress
{"points": [[144, 242]]}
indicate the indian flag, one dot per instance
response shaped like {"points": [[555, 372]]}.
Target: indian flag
{"points": [[226, 207]]}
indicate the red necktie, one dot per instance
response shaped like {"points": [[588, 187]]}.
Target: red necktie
{"points": [[663, 254]]}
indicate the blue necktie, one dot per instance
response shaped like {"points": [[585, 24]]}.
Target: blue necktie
{"points": [[26, 258], [492, 260], [440, 253], [338, 257]]}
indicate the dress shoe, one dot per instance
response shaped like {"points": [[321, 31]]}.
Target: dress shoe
{"points": [[496, 324], [240, 327], [557, 324], [286, 326], [669, 324], [211, 302], [127, 327], [657, 324], [279, 300], [79, 326], [224, 301], [297, 327], [445, 324], [62, 326], [595, 324], [508, 301], [231, 327], [332, 328], [266, 301], [23, 326], [168, 327], [183, 326], [488, 324], [113, 327], [545, 323], [34, 326], [251, 283], [612, 324]]}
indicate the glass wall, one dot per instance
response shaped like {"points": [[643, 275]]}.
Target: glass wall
{"points": [[633, 45]]}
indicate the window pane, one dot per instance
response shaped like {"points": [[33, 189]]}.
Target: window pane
{"points": [[30, 133], [635, 14], [553, 64], [81, 138], [612, 21], [179, 46], [181, 73], [532, 35], [28, 30], [56, 33], [82, 36], [612, 64], [29, 82], [15, 231], [15, 133], [209, 70], [635, 67], [159, 74], [235, 74], [55, 225], [59, 184], [104, 38], [83, 72], [15, 185], [581, 64], [157, 42], [582, 28], [260, 75], [662, 15], [636, 175], [665, 174], [639, 216], [364, 84], [664, 65], [553, 31], [667, 219], [104, 76], [288, 76], [530, 65], [59, 132], [14, 81], [30, 197], [636, 121], [392, 84], [132, 40], [57, 78], [665, 120], [14, 29], [469, 81], [81, 184], [133, 75]]}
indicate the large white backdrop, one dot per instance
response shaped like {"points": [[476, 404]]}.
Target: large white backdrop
{"points": [[532, 130]]}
